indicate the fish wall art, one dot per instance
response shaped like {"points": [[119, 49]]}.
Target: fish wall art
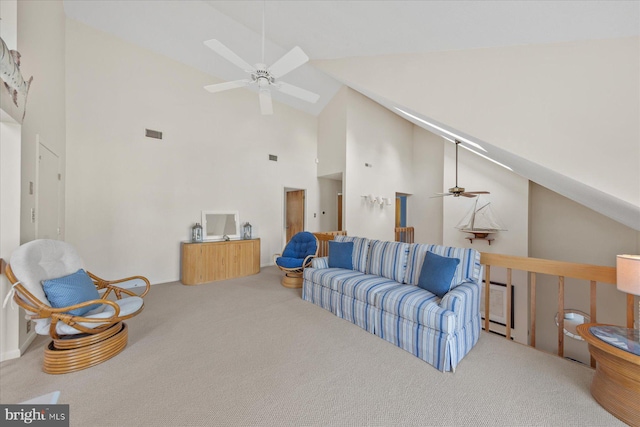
{"points": [[11, 75]]}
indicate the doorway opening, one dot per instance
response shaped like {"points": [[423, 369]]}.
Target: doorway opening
{"points": [[401, 210], [403, 233], [294, 211], [47, 203]]}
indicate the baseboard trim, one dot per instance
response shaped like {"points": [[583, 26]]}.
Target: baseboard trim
{"points": [[27, 342], [8, 355]]}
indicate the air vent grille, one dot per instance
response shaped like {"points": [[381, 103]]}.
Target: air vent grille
{"points": [[150, 133]]}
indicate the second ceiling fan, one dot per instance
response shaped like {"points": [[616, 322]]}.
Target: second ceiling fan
{"points": [[459, 191], [266, 78]]}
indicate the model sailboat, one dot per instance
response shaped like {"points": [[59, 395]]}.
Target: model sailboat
{"points": [[480, 221]]}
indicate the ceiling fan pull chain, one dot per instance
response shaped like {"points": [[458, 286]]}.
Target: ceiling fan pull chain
{"points": [[457, 142], [263, 12]]}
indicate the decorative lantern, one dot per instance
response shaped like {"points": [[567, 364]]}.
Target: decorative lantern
{"points": [[246, 231], [196, 233]]}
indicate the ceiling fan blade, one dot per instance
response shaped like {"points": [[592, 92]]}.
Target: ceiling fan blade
{"points": [[289, 62], [297, 92], [470, 195], [477, 192], [266, 106], [228, 85], [441, 195], [228, 54]]}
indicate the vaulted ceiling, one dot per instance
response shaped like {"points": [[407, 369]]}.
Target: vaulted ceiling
{"points": [[340, 29], [348, 30]]}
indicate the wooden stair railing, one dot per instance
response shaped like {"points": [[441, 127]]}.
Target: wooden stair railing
{"points": [[404, 234], [323, 240], [561, 269]]}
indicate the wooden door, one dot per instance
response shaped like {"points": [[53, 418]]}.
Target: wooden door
{"points": [[398, 211], [295, 213]]}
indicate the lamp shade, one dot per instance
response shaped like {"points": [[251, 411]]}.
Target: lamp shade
{"points": [[628, 273]]}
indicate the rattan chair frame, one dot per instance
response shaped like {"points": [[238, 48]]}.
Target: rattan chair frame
{"points": [[305, 263], [40, 310]]}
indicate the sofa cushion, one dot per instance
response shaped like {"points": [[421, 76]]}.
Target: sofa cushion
{"points": [[388, 259], [360, 251], [417, 305], [468, 269], [127, 306], [301, 245], [329, 277], [321, 262], [437, 273], [364, 287], [288, 262], [341, 255]]}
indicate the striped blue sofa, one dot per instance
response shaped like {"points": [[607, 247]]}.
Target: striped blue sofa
{"points": [[381, 296]]}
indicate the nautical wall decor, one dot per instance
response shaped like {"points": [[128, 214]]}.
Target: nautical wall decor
{"points": [[480, 221], [12, 77]]}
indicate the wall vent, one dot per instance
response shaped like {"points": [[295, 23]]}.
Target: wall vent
{"points": [[153, 133], [272, 157]]}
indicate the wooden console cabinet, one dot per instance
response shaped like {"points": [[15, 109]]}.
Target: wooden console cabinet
{"points": [[210, 261]]}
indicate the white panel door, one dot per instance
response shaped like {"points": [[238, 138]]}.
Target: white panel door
{"points": [[48, 194]]}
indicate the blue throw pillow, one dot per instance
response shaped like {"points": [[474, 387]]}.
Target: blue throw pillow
{"points": [[341, 255], [437, 273], [70, 290]]}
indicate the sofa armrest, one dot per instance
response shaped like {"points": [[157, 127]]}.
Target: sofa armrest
{"points": [[464, 301], [322, 262]]}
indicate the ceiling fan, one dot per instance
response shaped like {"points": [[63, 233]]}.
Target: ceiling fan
{"points": [[266, 78], [459, 191]]}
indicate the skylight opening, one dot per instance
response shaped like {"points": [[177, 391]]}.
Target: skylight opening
{"points": [[486, 157], [453, 135]]}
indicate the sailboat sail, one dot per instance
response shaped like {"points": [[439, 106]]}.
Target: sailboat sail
{"points": [[480, 218]]}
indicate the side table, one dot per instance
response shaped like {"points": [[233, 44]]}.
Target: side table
{"points": [[616, 384]]}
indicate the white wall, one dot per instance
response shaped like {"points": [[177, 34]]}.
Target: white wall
{"points": [[424, 213], [132, 200], [332, 135], [9, 191], [41, 41], [384, 140], [9, 231]]}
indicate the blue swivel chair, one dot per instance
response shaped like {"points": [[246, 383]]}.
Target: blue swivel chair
{"points": [[295, 257]]}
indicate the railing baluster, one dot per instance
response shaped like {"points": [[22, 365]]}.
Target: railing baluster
{"points": [[404, 234], [532, 297], [593, 311], [561, 316], [487, 285], [509, 308]]}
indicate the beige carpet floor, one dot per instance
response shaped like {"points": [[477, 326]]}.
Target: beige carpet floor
{"points": [[249, 352]]}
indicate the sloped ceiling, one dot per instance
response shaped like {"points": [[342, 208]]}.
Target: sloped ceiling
{"points": [[346, 28], [359, 31]]}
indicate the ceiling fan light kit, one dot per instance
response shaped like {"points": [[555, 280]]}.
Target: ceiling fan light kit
{"points": [[266, 78]]}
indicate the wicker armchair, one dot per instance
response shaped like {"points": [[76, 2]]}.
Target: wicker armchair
{"points": [[295, 257], [86, 332]]}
